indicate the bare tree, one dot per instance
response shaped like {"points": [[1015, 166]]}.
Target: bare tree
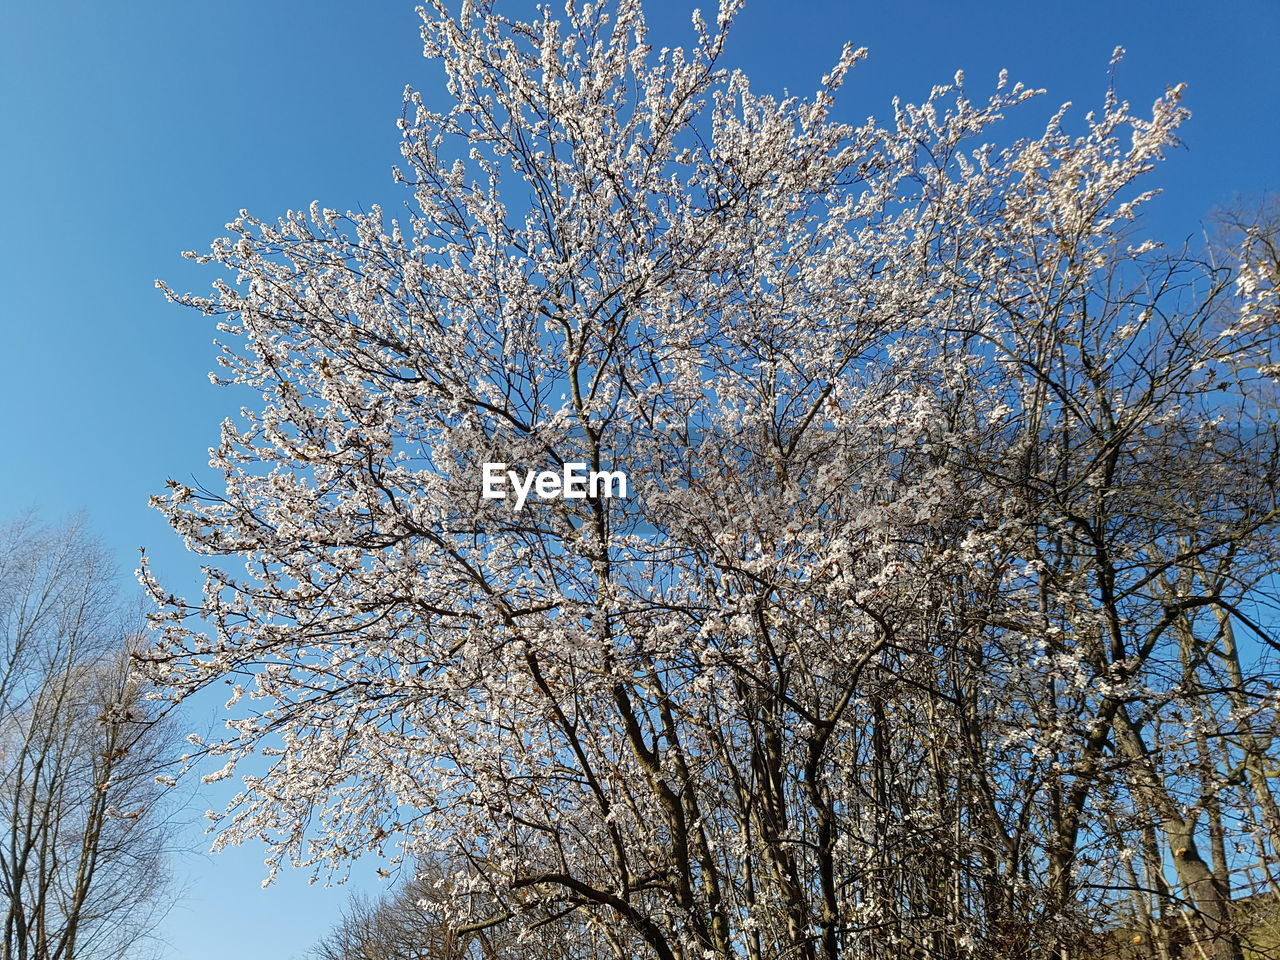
{"points": [[412, 922], [83, 832]]}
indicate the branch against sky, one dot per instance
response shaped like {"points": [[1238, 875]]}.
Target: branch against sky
{"points": [[84, 824], [938, 521]]}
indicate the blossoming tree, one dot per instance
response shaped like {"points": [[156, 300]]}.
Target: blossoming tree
{"points": [[917, 627]]}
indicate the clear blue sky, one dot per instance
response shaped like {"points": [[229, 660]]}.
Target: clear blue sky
{"points": [[132, 131]]}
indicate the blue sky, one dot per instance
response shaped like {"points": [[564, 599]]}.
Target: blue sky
{"points": [[130, 132]]}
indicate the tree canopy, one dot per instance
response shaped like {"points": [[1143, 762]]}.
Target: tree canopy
{"points": [[83, 821], [936, 618]]}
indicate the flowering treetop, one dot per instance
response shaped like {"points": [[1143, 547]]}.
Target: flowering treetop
{"points": [[896, 405]]}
